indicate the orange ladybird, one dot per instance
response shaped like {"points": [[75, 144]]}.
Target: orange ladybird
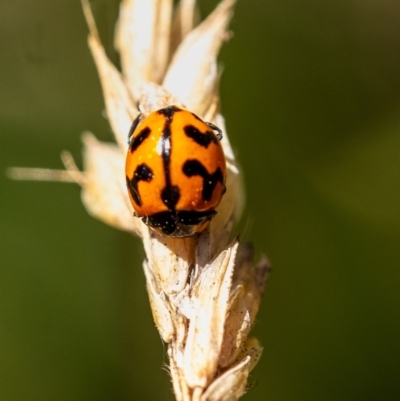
{"points": [[175, 171]]}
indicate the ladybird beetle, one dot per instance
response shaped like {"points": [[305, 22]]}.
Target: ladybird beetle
{"points": [[175, 171]]}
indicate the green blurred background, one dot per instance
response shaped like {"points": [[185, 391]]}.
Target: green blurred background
{"points": [[311, 95]]}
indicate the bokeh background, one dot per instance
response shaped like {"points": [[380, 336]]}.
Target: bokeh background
{"points": [[311, 95]]}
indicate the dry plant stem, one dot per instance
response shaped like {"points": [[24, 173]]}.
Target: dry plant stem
{"points": [[204, 291]]}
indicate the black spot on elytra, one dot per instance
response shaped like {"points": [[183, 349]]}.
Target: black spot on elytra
{"points": [[212, 126], [169, 111], [139, 138], [194, 167], [142, 173], [201, 138], [170, 196]]}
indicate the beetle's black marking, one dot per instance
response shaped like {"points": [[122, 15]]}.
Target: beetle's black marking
{"points": [[201, 138], [134, 125], [139, 138], [142, 173], [169, 111], [194, 167], [212, 126], [178, 223], [170, 194]]}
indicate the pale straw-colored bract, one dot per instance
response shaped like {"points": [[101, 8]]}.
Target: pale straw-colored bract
{"points": [[204, 290]]}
